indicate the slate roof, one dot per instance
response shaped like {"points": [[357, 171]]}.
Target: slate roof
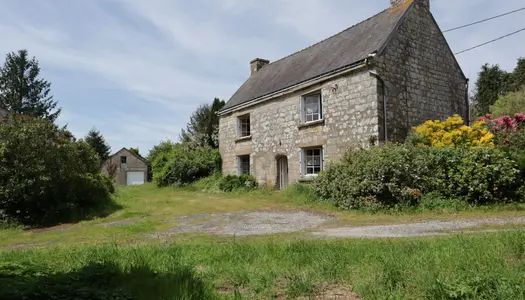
{"points": [[341, 50]]}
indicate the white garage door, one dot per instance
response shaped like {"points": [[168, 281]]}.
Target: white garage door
{"points": [[135, 178]]}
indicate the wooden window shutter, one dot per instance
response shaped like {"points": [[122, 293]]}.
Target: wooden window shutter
{"points": [[301, 163], [302, 111], [322, 158], [320, 106], [238, 128]]}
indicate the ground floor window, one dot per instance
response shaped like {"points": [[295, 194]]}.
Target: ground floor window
{"points": [[243, 164], [312, 161]]}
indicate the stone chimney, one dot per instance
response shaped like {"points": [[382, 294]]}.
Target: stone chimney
{"points": [[424, 3], [257, 64]]}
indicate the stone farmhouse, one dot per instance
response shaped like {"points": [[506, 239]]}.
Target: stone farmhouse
{"points": [[371, 82]]}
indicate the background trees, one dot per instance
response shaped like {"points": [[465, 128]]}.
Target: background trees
{"points": [[203, 128], [22, 91], [195, 155], [493, 84], [509, 104], [96, 140]]}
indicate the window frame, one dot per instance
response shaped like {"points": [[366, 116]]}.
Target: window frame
{"points": [[305, 169], [244, 132], [304, 101], [123, 159], [240, 169]]}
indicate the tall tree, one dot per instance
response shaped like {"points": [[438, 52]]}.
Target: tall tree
{"points": [[96, 140], [517, 78], [203, 128], [22, 91], [492, 82]]}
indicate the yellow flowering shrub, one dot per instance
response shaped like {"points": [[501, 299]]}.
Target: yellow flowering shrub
{"points": [[453, 132]]}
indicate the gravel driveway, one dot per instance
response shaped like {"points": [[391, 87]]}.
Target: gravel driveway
{"points": [[429, 228], [265, 223], [253, 223]]}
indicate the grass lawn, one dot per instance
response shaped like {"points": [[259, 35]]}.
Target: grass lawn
{"points": [[91, 261], [147, 208], [486, 266]]}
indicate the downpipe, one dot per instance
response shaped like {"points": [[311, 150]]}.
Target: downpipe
{"points": [[383, 90]]}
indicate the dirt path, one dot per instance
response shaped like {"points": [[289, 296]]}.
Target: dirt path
{"points": [[429, 228], [266, 223]]}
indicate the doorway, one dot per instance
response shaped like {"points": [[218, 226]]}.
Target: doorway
{"points": [[282, 172]]}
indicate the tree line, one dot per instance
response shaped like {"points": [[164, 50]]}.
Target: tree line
{"points": [[499, 92]]}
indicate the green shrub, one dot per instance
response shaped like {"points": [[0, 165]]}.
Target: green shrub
{"points": [[184, 165], [231, 183], [509, 104], [208, 184], [46, 177], [401, 174], [436, 202]]}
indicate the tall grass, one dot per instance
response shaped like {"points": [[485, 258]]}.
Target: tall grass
{"points": [[489, 266]]}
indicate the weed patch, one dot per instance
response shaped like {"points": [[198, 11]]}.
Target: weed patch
{"points": [[457, 267]]}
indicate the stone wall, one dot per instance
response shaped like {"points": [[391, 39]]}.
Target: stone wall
{"points": [[350, 115], [422, 77]]}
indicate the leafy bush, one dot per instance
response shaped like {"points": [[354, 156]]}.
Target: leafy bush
{"points": [[436, 202], [400, 175], [46, 177], [184, 165], [207, 184], [230, 183], [452, 132], [509, 104]]}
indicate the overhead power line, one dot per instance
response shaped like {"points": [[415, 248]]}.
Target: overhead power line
{"points": [[492, 41], [484, 20]]}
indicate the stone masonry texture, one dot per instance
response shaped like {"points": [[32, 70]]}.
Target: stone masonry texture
{"points": [[423, 79], [351, 118]]}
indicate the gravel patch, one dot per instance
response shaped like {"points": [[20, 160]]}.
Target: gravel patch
{"points": [[122, 222], [253, 223], [429, 228]]}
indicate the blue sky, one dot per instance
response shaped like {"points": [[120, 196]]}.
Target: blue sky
{"points": [[137, 69]]}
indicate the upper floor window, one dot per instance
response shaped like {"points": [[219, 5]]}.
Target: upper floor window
{"points": [[311, 108], [123, 159], [243, 126]]}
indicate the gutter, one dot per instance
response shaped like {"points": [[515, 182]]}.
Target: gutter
{"points": [[383, 88], [301, 85]]}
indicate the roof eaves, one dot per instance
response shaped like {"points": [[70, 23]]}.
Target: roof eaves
{"points": [[134, 154], [250, 102]]}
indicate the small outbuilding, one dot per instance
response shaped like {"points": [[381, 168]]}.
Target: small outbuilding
{"points": [[126, 167]]}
